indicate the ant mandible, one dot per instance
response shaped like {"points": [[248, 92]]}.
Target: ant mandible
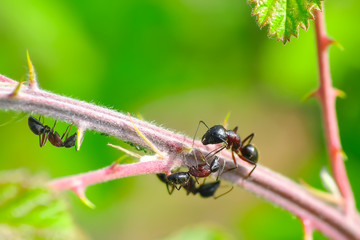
{"points": [[45, 133], [218, 134]]}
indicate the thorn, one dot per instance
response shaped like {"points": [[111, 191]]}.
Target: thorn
{"points": [[125, 151], [225, 123], [113, 165], [314, 93], [80, 192], [343, 155], [308, 229], [79, 138], [339, 93], [330, 41], [139, 116], [151, 145], [329, 182], [32, 75], [16, 90], [321, 194]]}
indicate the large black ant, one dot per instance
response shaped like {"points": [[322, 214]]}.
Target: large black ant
{"points": [[218, 134], [183, 179], [46, 133]]}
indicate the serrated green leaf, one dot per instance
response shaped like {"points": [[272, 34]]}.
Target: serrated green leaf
{"points": [[28, 210], [284, 17]]}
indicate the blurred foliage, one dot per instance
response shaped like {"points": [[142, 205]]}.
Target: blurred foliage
{"points": [[30, 211], [178, 62]]}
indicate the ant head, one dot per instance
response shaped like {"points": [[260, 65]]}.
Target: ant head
{"points": [[179, 178], [250, 153], [215, 134], [215, 164]]}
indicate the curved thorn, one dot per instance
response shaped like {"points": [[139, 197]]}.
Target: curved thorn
{"points": [[128, 152], [80, 192], [79, 138], [16, 90], [32, 75], [149, 143]]}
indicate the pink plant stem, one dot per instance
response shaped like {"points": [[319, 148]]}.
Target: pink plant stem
{"points": [[327, 96], [274, 187]]}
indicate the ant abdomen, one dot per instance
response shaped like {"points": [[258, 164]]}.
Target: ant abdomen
{"points": [[250, 152], [208, 189], [179, 178], [35, 125]]}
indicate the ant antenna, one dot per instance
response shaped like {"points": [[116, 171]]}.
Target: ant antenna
{"points": [[221, 172], [197, 129], [232, 187]]}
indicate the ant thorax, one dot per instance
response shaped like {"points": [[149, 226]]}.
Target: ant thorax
{"points": [[233, 140]]}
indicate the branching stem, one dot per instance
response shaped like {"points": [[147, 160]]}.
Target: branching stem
{"points": [[277, 189], [326, 95]]}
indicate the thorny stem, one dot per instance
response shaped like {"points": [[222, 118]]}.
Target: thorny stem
{"points": [[274, 187], [326, 95]]}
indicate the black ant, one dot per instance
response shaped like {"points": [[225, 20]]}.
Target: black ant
{"points": [[45, 133], [204, 170], [184, 179], [218, 134]]}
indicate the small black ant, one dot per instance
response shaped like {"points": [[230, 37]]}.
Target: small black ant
{"points": [[204, 170], [45, 133], [176, 180], [218, 134], [184, 179], [39, 129]]}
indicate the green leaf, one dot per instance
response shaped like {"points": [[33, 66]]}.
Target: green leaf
{"points": [[28, 210], [284, 17], [201, 232]]}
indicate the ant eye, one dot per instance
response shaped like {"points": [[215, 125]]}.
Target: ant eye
{"points": [[250, 153]]}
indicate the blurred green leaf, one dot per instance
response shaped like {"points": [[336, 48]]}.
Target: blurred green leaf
{"points": [[28, 210], [284, 17], [201, 233]]}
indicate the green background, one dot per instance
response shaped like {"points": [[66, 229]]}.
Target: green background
{"points": [[178, 62]]}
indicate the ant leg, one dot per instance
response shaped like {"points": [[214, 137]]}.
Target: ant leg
{"points": [[250, 137], [235, 129], [40, 141], [251, 171], [232, 187], [67, 135], [215, 151], [251, 162], [52, 130], [197, 129], [172, 189]]}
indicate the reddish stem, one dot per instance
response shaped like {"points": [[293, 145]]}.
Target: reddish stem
{"points": [[327, 96]]}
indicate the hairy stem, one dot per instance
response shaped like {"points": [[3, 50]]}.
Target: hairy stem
{"points": [[327, 96], [175, 147]]}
